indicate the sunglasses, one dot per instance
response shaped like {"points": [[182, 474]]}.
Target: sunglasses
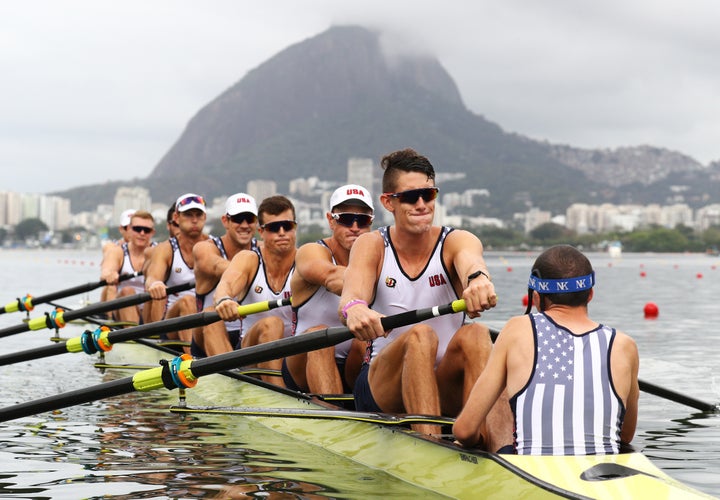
{"points": [[347, 219], [174, 224], [142, 229], [191, 199], [411, 196], [275, 227], [248, 217]]}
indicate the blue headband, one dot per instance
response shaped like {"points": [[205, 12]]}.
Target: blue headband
{"points": [[564, 285]]}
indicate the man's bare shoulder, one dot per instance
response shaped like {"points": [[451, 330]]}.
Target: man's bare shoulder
{"points": [[204, 248], [312, 251]]}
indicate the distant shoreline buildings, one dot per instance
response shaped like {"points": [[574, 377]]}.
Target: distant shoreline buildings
{"points": [[311, 198]]}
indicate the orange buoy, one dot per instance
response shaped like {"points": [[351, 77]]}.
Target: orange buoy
{"points": [[525, 300], [699, 275], [509, 269], [642, 274], [651, 310]]}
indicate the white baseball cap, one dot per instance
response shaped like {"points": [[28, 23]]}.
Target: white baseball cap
{"points": [[188, 201], [351, 193], [126, 217], [239, 203]]}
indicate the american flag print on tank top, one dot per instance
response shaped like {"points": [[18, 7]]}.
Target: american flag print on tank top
{"points": [[569, 406]]}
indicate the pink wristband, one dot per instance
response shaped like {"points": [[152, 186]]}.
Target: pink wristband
{"points": [[353, 302]]}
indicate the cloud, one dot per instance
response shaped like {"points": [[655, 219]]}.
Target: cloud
{"points": [[96, 90]]}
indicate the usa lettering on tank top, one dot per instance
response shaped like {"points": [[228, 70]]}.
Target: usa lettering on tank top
{"points": [[396, 292], [569, 405], [260, 291], [321, 308]]}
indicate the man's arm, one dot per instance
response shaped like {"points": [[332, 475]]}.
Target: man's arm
{"points": [[486, 391], [625, 364], [313, 264], [361, 278], [157, 270], [111, 264], [209, 265], [233, 282], [465, 252]]}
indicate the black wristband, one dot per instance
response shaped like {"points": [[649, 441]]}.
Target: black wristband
{"points": [[223, 299], [477, 274]]}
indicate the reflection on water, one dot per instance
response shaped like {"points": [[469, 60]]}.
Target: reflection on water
{"points": [[131, 447]]}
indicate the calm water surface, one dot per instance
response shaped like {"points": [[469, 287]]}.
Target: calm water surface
{"points": [[131, 447]]}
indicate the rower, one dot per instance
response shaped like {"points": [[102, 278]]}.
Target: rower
{"points": [[566, 372], [260, 276], [212, 258], [429, 367], [128, 258], [171, 263], [316, 287]]}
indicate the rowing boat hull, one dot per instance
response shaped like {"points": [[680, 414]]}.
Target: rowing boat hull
{"points": [[427, 462]]}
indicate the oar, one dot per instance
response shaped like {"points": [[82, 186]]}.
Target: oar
{"points": [[58, 318], [29, 302], [102, 339], [184, 372], [312, 413], [662, 392]]}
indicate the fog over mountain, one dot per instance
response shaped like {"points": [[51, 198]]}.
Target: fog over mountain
{"points": [[348, 93]]}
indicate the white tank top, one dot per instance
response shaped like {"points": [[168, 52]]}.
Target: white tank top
{"points": [[180, 273], [321, 308], [260, 291], [138, 282], [396, 293]]}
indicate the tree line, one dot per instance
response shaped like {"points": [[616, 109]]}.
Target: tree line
{"points": [[651, 239]]}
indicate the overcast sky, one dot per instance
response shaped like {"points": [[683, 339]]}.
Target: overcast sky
{"points": [[96, 90]]}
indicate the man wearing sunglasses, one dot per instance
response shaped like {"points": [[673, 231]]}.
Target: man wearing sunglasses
{"points": [[110, 292], [212, 258], [259, 276], [128, 258], [316, 287], [426, 368], [172, 263]]}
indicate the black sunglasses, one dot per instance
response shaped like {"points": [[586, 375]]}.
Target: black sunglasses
{"points": [[248, 217], [173, 223], [411, 196], [142, 229], [275, 227], [347, 219]]}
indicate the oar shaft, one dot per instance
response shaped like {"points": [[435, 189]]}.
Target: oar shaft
{"points": [[140, 331], [311, 341], [153, 378], [102, 307], [80, 396], [68, 292], [656, 390], [42, 299]]}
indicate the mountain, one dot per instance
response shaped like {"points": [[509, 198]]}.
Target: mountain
{"points": [[340, 94]]}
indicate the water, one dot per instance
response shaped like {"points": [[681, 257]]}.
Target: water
{"points": [[132, 447]]}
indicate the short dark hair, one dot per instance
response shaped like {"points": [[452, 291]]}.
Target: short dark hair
{"points": [[404, 160], [170, 213], [559, 262], [274, 205]]}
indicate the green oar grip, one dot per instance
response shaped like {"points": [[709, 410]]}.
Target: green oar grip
{"points": [[148, 380]]}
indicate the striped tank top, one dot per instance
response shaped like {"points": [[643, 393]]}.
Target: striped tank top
{"points": [[569, 406]]}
